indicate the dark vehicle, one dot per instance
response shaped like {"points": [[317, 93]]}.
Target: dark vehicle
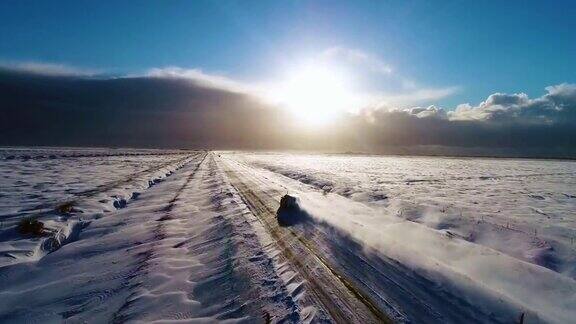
{"points": [[289, 212]]}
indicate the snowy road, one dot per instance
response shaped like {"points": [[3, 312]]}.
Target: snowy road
{"points": [[193, 237], [327, 287], [182, 250]]}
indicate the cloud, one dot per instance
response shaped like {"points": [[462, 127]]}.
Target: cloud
{"points": [[503, 124], [48, 69], [189, 108], [357, 57], [557, 106], [414, 97], [208, 80], [386, 86], [141, 111]]}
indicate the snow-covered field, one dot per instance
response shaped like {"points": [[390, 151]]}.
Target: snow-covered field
{"points": [[39, 182], [496, 228], [524, 208], [150, 235]]}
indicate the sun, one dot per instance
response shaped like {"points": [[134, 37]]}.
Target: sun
{"points": [[315, 94]]}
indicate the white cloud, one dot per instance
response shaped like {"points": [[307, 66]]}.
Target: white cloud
{"points": [[387, 87], [49, 69], [414, 97], [558, 105], [209, 80], [357, 57]]}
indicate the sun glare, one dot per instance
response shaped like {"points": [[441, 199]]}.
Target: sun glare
{"points": [[315, 94]]}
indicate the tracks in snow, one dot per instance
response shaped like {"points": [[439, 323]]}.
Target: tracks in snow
{"points": [[201, 259], [332, 291], [67, 220], [151, 254], [114, 184], [182, 251], [382, 285], [190, 249], [95, 278]]}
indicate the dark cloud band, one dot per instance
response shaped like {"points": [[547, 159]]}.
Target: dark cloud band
{"points": [[38, 109]]}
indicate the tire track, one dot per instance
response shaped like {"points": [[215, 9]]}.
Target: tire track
{"points": [[69, 225], [100, 273], [111, 185], [337, 295], [399, 291], [135, 281]]}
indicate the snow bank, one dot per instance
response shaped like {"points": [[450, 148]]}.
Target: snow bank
{"points": [[91, 182], [449, 260]]}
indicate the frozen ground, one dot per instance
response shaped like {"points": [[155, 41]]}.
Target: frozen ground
{"points": [[180, 236]]}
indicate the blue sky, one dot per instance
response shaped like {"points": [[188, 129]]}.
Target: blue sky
{"points": [[471, 48]]}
